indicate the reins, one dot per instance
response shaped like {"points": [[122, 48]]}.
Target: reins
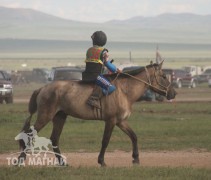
{"points": [[149, 83]]}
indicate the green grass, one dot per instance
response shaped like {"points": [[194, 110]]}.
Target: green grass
{"points": [[83, 173], [159, 126]]}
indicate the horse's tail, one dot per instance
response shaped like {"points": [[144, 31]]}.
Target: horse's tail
{"points": [[33, 102], [32, 108]]}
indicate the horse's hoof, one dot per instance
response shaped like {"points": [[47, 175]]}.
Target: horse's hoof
{"points": [[19, 162], [136, 162], [64, 165], [103, 164]]}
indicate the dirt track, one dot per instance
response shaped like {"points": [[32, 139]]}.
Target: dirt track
{"points": [[124, 159], [193, 158]]}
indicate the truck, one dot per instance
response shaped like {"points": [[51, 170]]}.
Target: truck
{"points": [[199, 73], [6, 88], [180, 78], [195, 70]]}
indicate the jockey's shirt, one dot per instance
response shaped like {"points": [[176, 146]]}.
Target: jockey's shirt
{"points": [[95, 54]]}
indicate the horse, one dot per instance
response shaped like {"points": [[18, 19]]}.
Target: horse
{"points": [[55, 101]]}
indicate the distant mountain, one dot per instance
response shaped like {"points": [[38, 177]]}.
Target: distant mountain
{"points": [[19, 23], [24, 15], [171, 28], [168, 20]]}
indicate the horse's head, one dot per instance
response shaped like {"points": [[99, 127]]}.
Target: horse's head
{"points": [[159, 82]]}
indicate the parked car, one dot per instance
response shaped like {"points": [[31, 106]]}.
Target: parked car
{"points": [[204, 77], [209, 82], [6, 89], [148, 95], [65, 73], [40, 75], [180, 78]]}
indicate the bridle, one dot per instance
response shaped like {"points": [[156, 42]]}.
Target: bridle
{"points": [[149, 83]]}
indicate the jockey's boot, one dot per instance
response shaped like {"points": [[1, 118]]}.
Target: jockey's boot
{"points": [[94, 98]]}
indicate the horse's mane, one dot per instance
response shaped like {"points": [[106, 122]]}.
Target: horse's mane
{"points": [[133, 72]]}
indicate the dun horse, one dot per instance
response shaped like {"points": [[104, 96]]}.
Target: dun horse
{"points": [[55, 101]]}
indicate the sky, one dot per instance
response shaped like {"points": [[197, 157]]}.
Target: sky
{"points": [[105, 10]]}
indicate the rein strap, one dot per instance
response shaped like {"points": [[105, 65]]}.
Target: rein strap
{"points": [[148, 83]]}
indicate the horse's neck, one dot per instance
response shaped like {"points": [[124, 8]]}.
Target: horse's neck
{"points": [[136, 86]]}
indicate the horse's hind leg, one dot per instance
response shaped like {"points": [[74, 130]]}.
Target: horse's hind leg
{"points": [[22, 156], [125, 128], [43, 117], [58, 123], [23, 146]]}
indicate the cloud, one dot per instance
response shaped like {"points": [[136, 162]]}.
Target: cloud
{"points": [[101, 11], [61, 13], [37, 5], [176, 8], [12, 5]]}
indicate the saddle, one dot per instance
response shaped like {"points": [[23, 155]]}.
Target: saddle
{"points": [[102, 86]]}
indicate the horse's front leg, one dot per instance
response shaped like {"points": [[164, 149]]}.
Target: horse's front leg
{"points": [[123, 125], [106, 137]]}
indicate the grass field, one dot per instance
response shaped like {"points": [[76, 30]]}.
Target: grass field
{"points": [[159, 126], [105, 173]]}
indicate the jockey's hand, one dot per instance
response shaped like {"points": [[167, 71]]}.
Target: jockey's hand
{"points": [[105, 56], [119, 70]]}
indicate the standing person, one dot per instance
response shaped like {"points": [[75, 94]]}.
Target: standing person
{"points": [[96, 58]]}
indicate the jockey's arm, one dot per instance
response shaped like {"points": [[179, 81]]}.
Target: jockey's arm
{"points": [[108, 63]]}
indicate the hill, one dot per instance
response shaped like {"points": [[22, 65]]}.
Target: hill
{"points": [[169, 28]]}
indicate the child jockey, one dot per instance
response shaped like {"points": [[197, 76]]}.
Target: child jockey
{"points": [[96, 58]]}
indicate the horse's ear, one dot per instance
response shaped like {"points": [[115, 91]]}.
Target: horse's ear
{"points": [[161, 64]]}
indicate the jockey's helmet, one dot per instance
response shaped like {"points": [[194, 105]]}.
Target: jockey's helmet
{"points": [[99, 38]]}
